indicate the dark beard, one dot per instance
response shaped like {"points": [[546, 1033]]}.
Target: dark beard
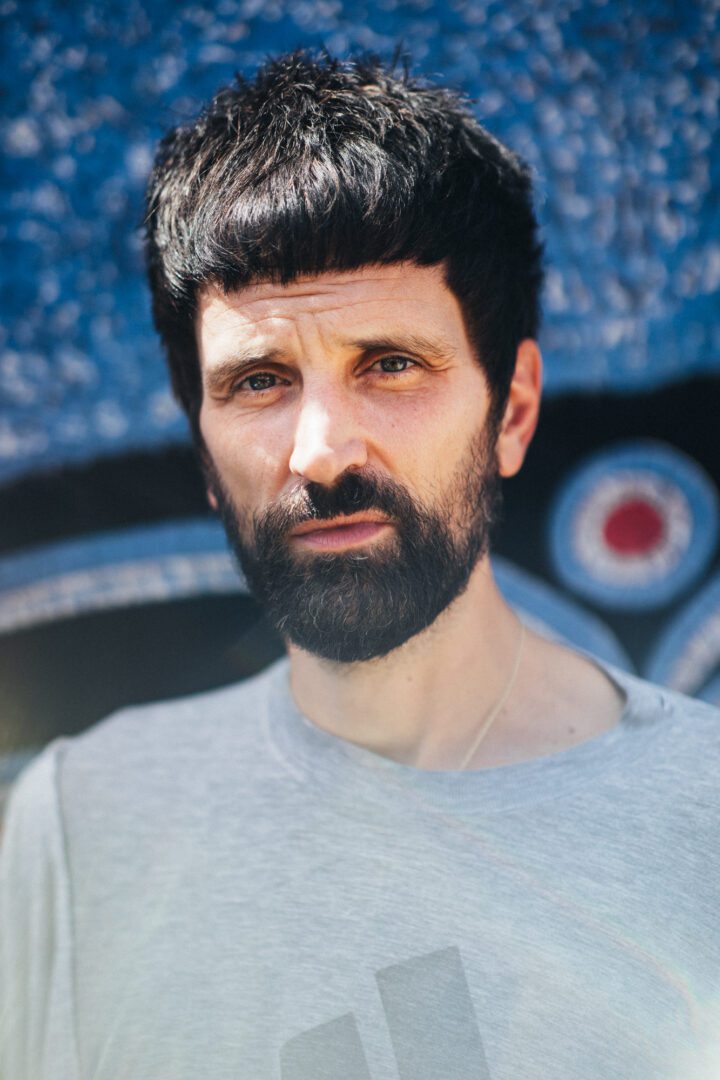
{"points": [[358, 605]]}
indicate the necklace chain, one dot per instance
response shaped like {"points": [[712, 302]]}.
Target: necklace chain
{"points": [[497, 708]]}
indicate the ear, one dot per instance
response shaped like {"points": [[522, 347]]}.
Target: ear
{"points": [[211, 498], [522, 410]]}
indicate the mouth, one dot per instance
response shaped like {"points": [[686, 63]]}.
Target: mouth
{"points": [[340, 532]]}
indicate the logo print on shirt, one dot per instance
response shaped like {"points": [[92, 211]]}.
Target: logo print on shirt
{"points": [[432, 1024]]}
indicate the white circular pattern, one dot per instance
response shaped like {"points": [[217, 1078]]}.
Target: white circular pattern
{"points": [[687, 655], [634, 526], [621, 568]]}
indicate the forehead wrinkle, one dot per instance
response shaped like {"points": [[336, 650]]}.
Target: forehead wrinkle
{"points": [[264, 344], [324, 284], [397, 322], [330, 281], [286, 308], [340, 312]]}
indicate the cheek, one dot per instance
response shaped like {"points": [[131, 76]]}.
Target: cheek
{"points": [[401, 421], [249, 462], [430, 434]]}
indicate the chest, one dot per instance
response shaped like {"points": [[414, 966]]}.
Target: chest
{"points": [[402, 954]]}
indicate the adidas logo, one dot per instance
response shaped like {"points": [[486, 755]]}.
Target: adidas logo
{"points": [[431, 1020]]}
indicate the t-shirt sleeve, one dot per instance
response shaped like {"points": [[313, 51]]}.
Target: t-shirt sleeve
{"points": [[37, 1040]]}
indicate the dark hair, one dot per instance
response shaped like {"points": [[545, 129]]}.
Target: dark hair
{"points": [[318, 164]]}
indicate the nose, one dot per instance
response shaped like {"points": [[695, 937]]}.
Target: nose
{"points": [[327, 440]]}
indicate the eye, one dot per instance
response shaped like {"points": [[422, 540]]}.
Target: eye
{"points": [[394, 365], [257, 382]]}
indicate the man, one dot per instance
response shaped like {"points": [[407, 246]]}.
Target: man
{"points": [[429, 844]]}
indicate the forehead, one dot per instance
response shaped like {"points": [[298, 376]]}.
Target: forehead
{"points": [[377, 298]]}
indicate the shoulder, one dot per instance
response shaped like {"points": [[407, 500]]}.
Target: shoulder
{"points": [[31, 817], [681, 733], [148, 755], [230, 715], [651, 701], [33, 879], [36, 987]]}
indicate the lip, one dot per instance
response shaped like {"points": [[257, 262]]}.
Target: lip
{"points": [[339, 523], [340, 533]]}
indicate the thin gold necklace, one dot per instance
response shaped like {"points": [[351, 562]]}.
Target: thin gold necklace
{"points": [[496, 710]]}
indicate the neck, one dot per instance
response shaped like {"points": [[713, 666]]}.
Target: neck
{"points": [[423, 703]]}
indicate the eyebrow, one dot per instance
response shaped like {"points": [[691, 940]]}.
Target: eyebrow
{"points": [[230, 368], [434, 349]]}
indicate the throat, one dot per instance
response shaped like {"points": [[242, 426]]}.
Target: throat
{"points": [[425, 703]]}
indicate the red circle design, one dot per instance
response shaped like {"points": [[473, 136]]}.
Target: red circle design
{"points": [[634, 528]]}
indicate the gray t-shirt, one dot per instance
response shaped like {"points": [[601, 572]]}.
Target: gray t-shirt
{"points": [[216, 888]]}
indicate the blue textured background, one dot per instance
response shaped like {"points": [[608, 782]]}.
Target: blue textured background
{"points": [[614, 104]]}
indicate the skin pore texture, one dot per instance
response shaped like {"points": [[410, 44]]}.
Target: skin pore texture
{"points": [[371, 372]]}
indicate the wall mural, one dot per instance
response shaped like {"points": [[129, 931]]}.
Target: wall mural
{"points": [[115, 583]]}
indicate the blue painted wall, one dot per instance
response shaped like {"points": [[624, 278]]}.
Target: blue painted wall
{"points": [[614, 104]]}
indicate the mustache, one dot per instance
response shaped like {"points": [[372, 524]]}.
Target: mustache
{"points": [[352, 493]]}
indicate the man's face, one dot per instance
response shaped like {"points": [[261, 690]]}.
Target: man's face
{"points": [[348, 448]]}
